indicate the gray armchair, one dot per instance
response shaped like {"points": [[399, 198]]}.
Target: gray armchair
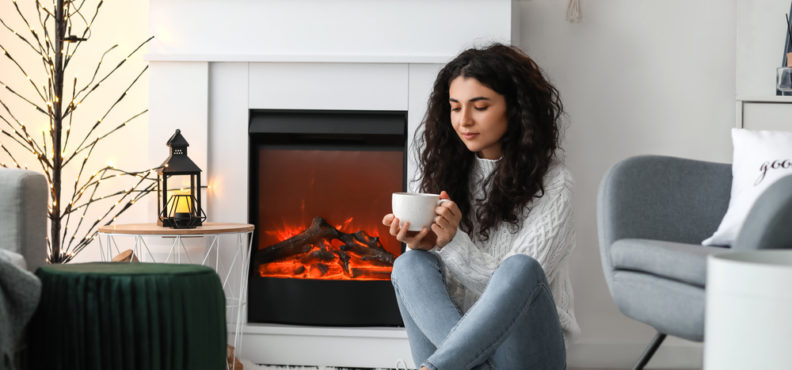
{"points": [[653, 213], [23, 227]]}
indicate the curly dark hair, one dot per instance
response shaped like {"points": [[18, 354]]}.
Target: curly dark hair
{"points": [[528, 147]]}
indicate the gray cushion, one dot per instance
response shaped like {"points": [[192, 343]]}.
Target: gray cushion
{"points": [[669, 306], [683, 262]]}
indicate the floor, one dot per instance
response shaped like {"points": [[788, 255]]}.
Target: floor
{"points": [[270, 367]]}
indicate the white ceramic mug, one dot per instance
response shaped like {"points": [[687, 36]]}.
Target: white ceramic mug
{"points": [[416, 208]]}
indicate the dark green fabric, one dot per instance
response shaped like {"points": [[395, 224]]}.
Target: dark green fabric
{"points": [[129, 316]]}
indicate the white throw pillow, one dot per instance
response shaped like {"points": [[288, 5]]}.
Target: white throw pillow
{"points": [[760, 159]]}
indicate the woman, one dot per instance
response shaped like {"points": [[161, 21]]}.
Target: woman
{"points": [[487, 285]]}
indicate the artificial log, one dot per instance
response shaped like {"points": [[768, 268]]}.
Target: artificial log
{"points": [[375, 256], [318, 256], [343, 258], [321, 233], [322, 243], [298, 244], [367, 247]]}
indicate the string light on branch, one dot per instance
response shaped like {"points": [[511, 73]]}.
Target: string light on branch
{"points": [[73, 38], [72, 26]]}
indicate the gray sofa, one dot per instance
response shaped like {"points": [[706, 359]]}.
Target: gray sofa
{"points": [[23, 226], [653, 213]]}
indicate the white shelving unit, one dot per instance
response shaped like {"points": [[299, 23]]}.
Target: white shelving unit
{"points": [[764, 112], [760, 40]]}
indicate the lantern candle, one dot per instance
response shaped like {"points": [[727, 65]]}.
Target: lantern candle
{"points": [[183, 201]]}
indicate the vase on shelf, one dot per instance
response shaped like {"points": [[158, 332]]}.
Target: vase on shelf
{"points": [[784, 80]]}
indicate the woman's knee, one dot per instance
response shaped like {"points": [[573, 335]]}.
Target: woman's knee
{"points": [[414, 263], [523, 268]]}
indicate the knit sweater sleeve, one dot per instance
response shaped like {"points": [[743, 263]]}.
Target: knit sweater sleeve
{"points": [[546, 234]]}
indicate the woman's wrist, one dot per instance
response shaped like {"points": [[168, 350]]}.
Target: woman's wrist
{"points": [[449, 240]]}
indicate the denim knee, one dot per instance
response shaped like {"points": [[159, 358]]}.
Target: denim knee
{"points": [[413, 263], [523, 269]]}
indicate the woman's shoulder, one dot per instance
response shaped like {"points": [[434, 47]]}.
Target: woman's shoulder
{"points": [[557, 194], [558, 177]]}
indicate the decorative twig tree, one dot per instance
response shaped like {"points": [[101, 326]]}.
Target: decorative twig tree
{"points": [[63, 28]]}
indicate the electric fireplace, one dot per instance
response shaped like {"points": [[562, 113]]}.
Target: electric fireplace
{"points": [[320, 182]]}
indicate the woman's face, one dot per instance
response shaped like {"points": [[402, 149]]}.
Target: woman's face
{"points": [[478, 115]]}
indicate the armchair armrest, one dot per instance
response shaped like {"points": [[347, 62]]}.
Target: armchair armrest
{"points": [[767, 225], [23, 211]]}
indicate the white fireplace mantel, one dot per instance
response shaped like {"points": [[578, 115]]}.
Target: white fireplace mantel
{"points": [[212, 61], [401, 31]]}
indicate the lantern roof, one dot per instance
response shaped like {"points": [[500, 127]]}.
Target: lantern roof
{"points": [[178, 163], [177, 140]]}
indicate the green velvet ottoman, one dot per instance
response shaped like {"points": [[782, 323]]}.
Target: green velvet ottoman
{"points": [[128, 316]]}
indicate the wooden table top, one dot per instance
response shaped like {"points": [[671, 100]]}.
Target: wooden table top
{"points": [[154, 229]]}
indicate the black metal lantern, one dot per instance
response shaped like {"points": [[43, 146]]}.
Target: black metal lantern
{"points": [[179, 188]]}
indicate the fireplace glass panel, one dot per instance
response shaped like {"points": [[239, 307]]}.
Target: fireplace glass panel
{"points": [[349, 190], [320, 183]]}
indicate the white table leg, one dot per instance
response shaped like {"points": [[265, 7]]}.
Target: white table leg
{"points": [[101, 249], [243, 280]]}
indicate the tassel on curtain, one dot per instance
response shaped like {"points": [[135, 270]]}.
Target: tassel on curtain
{"points": [[573, 11]]}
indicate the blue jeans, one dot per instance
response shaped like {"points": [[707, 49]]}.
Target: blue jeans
{"points": [[513, 325]]}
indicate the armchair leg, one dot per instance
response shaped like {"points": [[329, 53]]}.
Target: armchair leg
{"points": [[650, 351]]}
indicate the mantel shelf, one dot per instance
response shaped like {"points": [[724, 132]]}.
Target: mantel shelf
{"points": [[298, 58]]}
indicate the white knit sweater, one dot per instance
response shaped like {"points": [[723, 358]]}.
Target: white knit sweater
{"points": [[547, 234]]}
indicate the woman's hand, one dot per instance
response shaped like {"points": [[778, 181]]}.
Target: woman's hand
{"points": [[442, 230], [423, 240], [447, 220]]}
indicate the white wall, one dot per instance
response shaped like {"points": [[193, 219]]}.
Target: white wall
{"points": [[636, 77], [119, 22]]}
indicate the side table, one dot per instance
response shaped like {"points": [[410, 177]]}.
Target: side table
{"points": [[748, 322], [242, 234]]}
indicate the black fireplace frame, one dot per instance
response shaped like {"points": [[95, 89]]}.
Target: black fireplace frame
{"points": [[298, 299]]}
